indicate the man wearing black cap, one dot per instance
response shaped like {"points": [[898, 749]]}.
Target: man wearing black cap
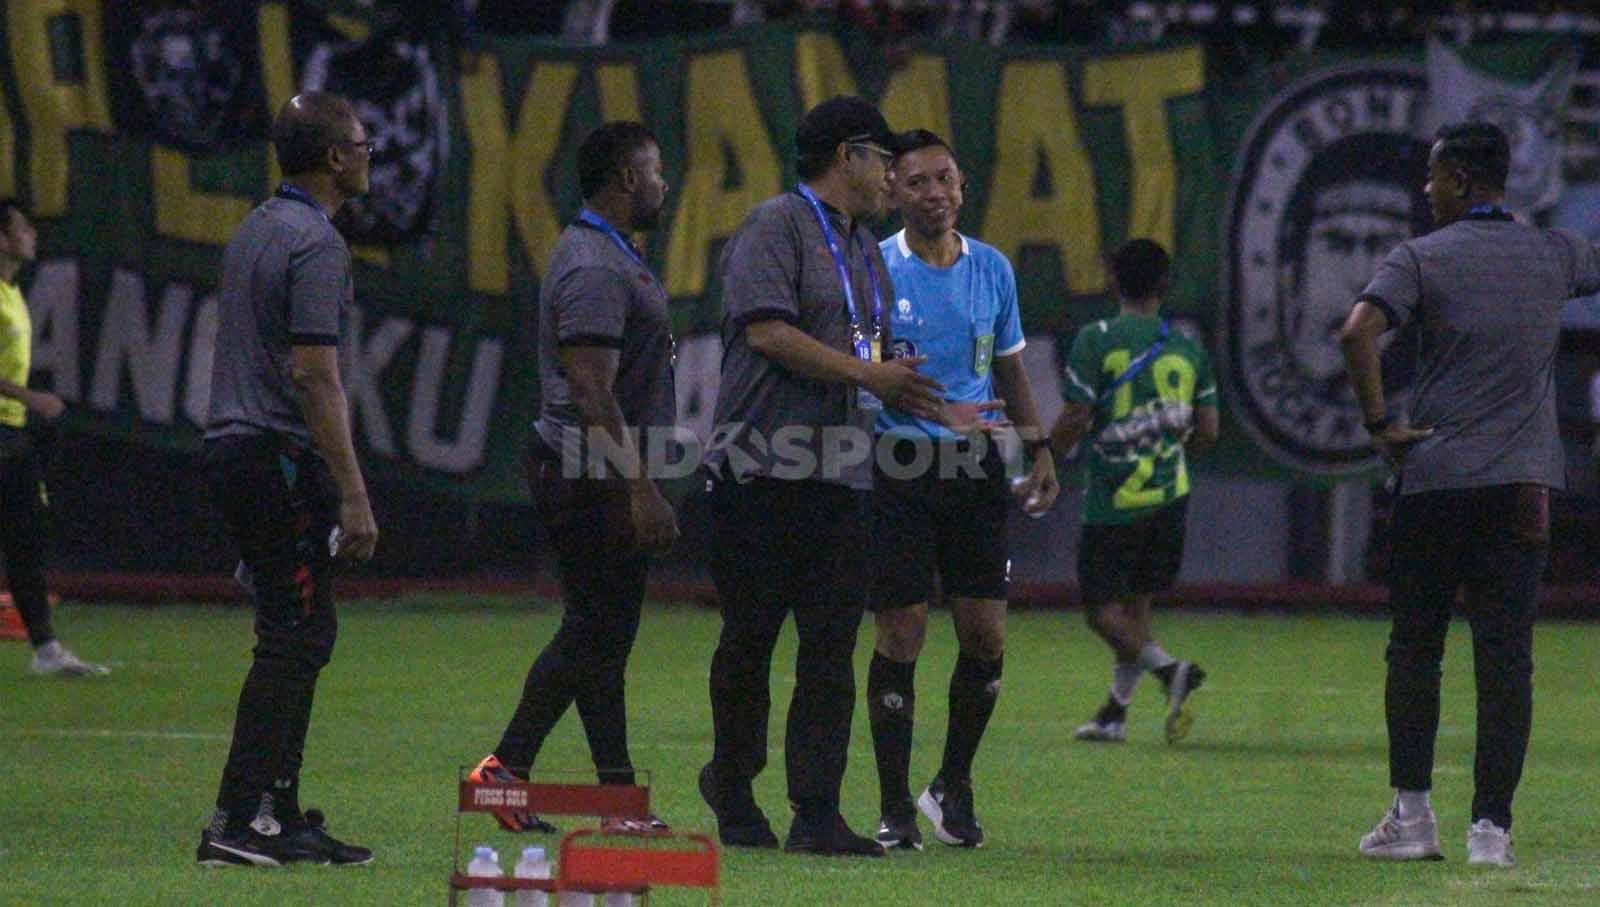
{"points": [[803, 378]]}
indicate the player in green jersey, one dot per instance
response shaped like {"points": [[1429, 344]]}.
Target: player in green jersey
{"points": [[1140, 395]]}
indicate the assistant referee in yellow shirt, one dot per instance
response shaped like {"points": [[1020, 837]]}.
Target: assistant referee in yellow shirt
{"points": [[23, 501]]}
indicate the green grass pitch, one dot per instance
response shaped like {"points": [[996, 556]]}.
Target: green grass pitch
{"points": [[105, 783]]}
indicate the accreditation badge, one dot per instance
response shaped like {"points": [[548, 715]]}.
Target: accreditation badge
{"points": [[868, 351], [982, 353]]}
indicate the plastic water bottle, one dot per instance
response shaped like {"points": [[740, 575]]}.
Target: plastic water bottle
{"points": [[533, 865], [1032, 500], [485, 863]]}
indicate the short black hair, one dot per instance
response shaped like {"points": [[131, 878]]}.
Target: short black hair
{"points": [[9, 204], [606, 150], [1141, 267], [308, 125], [1481, 149], [845, 118], [809, 165], [916, 140]]}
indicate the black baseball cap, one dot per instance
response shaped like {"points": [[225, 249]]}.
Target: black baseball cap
{"points": [[845, 118]]}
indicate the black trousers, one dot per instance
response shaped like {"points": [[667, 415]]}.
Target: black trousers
{"points": [[602, 588], [777, 547], [1493, 543], [24, 506], [279, 502]]}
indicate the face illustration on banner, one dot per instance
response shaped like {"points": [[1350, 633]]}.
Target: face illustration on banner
{"points": [[1353, 226], [1328, 182], [405, 120], [189, 75]]}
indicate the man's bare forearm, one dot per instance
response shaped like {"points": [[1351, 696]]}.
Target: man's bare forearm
{"points": [[19, 393], [598, 410], [1358, 341], [1012, 385], [803, 354], [1071, 426], [327, 414]]}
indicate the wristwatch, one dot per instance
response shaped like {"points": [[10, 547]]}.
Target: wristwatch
{"points": [[1032, 448]]}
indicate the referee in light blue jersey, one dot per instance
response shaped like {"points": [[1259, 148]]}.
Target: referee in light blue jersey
{"points": [[940, 497]]}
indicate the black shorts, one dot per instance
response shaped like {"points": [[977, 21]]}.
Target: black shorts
{"points": [[940, 521], [1119, 560]]}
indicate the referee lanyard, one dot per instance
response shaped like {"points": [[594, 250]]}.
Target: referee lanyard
{"points": [[296, 194], [604, 226], [599, 223], [863, 342], [1488, 212]]}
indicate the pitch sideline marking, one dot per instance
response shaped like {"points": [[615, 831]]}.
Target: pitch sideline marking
{"points": [[109, 733]]}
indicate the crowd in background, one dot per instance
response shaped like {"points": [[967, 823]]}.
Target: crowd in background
{"points": [[1283, 25]]}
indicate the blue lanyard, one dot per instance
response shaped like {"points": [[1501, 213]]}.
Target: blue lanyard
{"points": [[599, 223], [843, 268], [296, 194], [1144, 359]]}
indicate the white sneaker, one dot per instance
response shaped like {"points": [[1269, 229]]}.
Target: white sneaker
{"points": [[1102, 732], [1392, 839], [1489, 845], [56, 660]]}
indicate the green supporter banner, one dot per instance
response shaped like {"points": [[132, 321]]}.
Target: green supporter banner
{"points": [[137, 138]]}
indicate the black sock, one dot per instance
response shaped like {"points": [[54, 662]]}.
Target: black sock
{"points": [[1165, 673], [891, 708], [1111, 711], [974, 687]]}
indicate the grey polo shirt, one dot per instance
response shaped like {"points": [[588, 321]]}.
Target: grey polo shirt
{"points": [[285, 282], [596, 294], [1488, 295], [769, 420]]}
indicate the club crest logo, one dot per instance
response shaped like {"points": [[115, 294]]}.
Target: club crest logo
{"points": [[394, 86], [1327, 182], [191, 71]]}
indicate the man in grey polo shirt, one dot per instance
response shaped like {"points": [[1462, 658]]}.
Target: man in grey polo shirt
{"points": [[605, 383], [283, 472], [804, 288], [1475, 462]]}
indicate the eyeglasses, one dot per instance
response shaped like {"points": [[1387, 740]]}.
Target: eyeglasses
{"points": [[884, 155], [365, 145]]}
